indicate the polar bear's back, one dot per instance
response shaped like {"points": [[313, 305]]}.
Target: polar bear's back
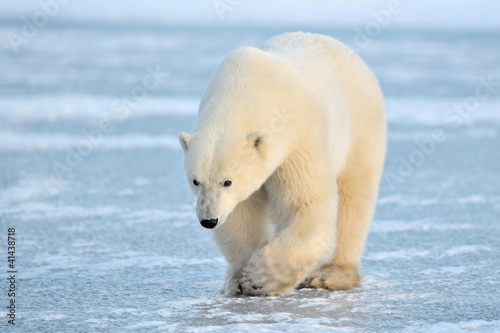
{"points": [[343, 80], [328, 56], [300, 46], [302, 43]]}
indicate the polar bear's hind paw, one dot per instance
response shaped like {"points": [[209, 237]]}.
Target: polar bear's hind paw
{"points": [[332, 278]]}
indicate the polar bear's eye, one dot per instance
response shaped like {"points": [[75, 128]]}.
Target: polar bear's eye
{"points": [[227, 183], [195, 182]]}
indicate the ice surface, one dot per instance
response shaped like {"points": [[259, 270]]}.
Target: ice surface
{"points": [[112, 243]]}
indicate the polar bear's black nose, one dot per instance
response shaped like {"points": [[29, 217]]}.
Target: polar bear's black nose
{"points": [[209, 224]]}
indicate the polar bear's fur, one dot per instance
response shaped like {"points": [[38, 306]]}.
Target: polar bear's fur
{"points": [[287, 155]]}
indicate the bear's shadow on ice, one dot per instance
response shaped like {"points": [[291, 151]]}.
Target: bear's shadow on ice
{"points": [[335, 308]]}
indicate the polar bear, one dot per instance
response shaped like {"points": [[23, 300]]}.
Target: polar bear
{"points": [[285, 160]]}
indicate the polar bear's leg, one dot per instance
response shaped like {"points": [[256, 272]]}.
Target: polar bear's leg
{"points": [[357, 187], [304, 208], [245, 230]]}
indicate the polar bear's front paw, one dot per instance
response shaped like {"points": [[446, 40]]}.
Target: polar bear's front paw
{"points": [[253, 285], [258, 278], [231, 288], [332, 278]]}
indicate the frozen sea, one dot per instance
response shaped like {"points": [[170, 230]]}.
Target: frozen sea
{"points": [[91, 173]]}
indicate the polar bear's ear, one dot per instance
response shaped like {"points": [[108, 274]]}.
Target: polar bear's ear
{"points": [[258, 140], [185, 140]]}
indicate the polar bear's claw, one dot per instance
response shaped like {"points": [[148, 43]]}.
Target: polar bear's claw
{"points": [[248, 287], [332, 278]]}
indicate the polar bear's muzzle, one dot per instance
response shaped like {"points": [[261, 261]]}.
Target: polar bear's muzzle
{"points": [[207, 209], [209, 224]]}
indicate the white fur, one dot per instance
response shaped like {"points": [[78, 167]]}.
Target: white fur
{"points": [[298, 127]]}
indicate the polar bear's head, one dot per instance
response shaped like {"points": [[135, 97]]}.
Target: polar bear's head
{"points": [[223, 170]]}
